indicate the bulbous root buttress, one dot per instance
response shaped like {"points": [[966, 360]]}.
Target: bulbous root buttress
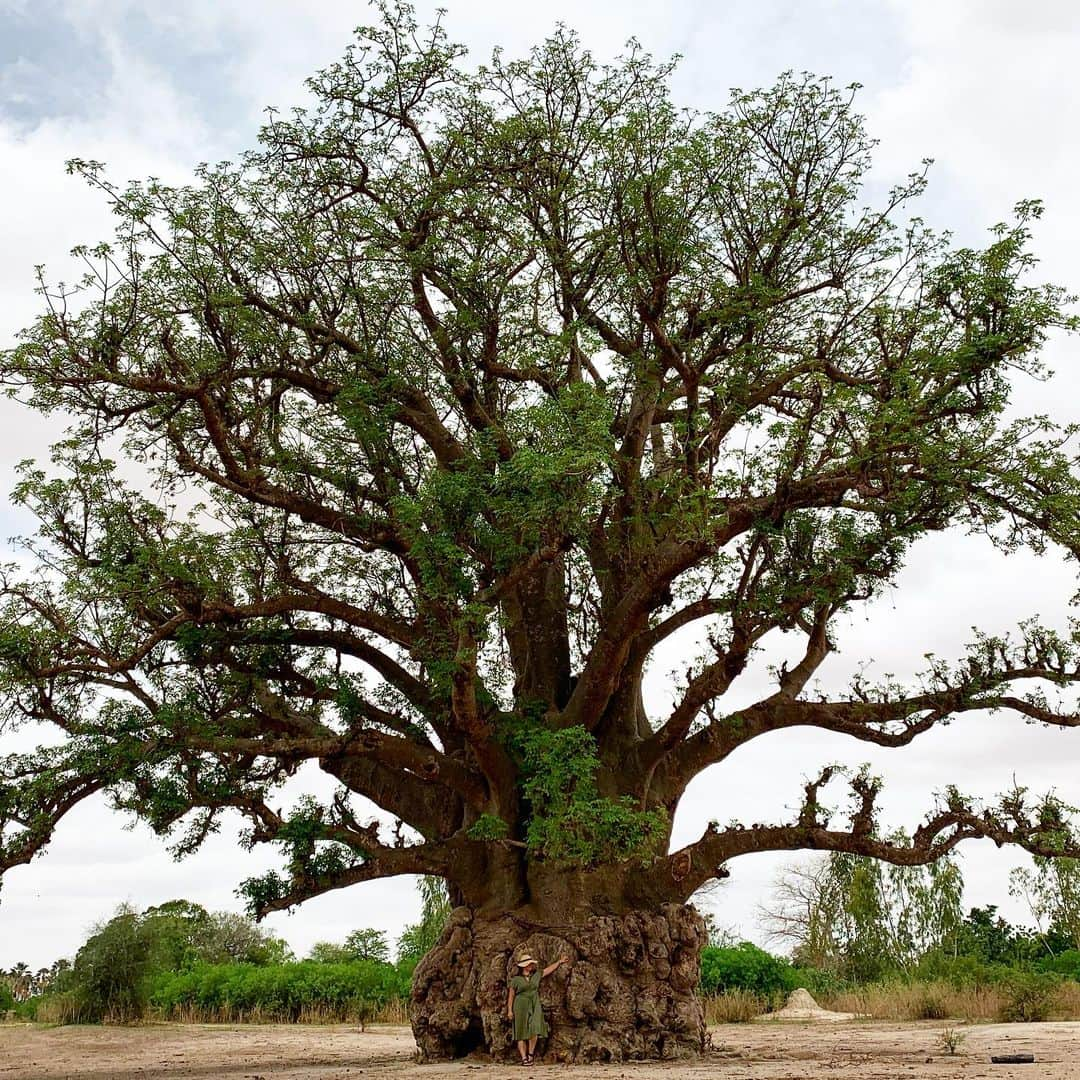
{"points": [[629, 992]]}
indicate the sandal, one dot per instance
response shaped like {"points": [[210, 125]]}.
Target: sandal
{"points": [[528, 1059]]}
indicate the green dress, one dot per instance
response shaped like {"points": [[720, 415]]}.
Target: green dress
{"points": [[528, 1015]]}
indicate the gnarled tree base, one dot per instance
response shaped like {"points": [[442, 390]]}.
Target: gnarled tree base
{"points": [[630, 991]]}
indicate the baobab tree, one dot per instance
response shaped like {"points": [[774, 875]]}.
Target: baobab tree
{"points": [[481, 383]]}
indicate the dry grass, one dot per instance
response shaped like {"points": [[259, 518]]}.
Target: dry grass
{"points": [[62, 1010], [735, 1007], [1068, 1000], [899, 1001], [393, 1012], [943, 1001], [919, 1001], [890, 1001]]}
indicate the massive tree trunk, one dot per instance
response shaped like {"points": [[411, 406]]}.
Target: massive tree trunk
{"points": [[629, 992]]}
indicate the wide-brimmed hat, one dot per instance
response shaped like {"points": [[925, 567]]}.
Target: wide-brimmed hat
{"points": [[525, 960]]}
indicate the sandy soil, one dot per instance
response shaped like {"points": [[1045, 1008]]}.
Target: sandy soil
{"points": [[859, 1050]]}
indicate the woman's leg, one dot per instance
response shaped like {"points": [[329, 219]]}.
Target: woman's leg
{"points": [[522, 1049], [532, 1045]]}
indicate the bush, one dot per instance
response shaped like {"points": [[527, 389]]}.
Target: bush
{"points": [[1066, 964], [113, 972], [108, 980], [961, 971], [745, 967], [931, 1004], [283, 992], [818, 981], [1030, 997], [27, 1010]]}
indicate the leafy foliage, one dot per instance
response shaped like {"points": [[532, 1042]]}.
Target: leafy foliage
{"points": [[569, 819], [189, 934], [368, 944], [1051, 888], [1031, 997], [488, 827], [363, 944], [1066, 964], [985, 936], [111, 976], [280, 992], [745, 967]]}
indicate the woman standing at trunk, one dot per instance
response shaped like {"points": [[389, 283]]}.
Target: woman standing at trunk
{"points": [[523, 1007]]}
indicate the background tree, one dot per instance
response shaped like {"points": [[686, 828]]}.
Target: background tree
{"points": [[188, 934], [368, 944], [114, 971], [419, 938], [363, 944], [227, 937], [480, 384], [988, 938], [109, 979], [1051, 888], [864, 919], [19, 981], [804, 906], [327, 952]]}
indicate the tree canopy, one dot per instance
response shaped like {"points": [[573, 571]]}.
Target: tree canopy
{"points": [[398, 447]]}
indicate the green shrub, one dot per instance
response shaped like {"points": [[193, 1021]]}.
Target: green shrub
{"points": [[1030, 997], [27, 1010], [108, 980], [281, 992], [131, 953], [961, 972], [745, 967], [1066, 964], [818, 981]]}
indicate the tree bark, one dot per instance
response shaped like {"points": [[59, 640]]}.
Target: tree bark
{"points": [[628, 993], [538, 635]]}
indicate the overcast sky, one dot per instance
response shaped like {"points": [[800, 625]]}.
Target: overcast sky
{"points": [[988, 88]]}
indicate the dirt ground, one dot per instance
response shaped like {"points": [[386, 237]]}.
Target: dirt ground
{"points": [[857, 1050]]}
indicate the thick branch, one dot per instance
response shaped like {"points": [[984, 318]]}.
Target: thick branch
{"points": [[1042, 828]]}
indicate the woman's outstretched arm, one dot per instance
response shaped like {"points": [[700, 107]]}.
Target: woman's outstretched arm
{"points": [[552, 967]]}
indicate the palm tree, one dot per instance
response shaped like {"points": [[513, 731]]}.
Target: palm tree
{"points": [[19, 979]]}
